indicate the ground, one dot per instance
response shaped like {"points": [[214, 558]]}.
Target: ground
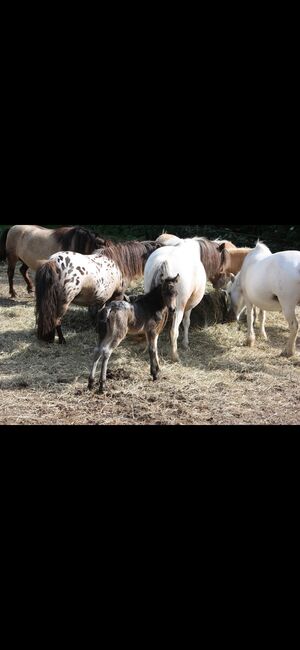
{"points": [[219, 380]]}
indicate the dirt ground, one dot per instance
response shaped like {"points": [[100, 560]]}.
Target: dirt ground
{"points": [[219, 380]]}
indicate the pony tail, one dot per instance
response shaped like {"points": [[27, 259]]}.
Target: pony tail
{"points": [[3, 238], [49, 301]]}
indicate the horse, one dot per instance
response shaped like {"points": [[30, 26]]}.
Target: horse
{"points": [[69, 277], [196, 260], [144, 313], [30, 244], [271, 281], [231, 264]]}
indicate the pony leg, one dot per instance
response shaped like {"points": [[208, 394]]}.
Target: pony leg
{"points": [[290, 315], [152, 338], [262, 321], [106, 354], [97, 355], [24, 270], [250, 319], [186, 326], [177, 318], [11, 260], [60, 335]]}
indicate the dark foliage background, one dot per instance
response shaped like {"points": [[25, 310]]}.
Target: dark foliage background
{"points": [[277, 237]]}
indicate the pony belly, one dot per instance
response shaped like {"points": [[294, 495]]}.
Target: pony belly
{"points": [[266, 302], [88, 296]]}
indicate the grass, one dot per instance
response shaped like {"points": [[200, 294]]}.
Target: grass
{"points": [[219, 380]]}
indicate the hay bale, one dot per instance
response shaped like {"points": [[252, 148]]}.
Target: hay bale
{"points": [[213, 309]]}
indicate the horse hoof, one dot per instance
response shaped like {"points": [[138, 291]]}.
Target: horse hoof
{"points": [[91, 384], [175, 359], [250, 343]]}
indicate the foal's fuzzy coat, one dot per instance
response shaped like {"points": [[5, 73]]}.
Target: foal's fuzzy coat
{"points": [[146, 313]]}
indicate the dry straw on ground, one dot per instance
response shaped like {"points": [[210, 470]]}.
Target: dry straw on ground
{"points": [[220, 381]]}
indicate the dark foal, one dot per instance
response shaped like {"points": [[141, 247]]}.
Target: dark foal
{"points": [[146, 313]]}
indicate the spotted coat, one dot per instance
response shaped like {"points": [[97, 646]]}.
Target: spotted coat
{"points": [[88, 280]]}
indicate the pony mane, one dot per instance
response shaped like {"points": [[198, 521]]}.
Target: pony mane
{"points": [[161, 273], [210, 256], [262, 246], [78, 239], [130, 256]]}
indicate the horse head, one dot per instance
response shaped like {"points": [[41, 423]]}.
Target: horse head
{"points": [[235, 295], [170, 292], [221, 278]]}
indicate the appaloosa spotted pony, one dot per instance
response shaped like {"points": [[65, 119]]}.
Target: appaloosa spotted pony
{"points": [[85, 280]]}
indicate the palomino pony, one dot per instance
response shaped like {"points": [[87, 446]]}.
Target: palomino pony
{"points": [[195, 260], [145, 313], [272, 283], [85, 280], [30, 244], [232, 261]]}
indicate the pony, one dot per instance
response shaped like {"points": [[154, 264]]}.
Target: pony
{"points": [[232, 259], [196, 260], [271, 282], [144, 313], [30, 244], [85, 280]]}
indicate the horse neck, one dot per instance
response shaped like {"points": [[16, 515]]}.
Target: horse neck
{"points": [[210, 257]]}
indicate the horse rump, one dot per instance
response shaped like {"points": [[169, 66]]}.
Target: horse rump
{"points": [[50, 299], [3, 238]]}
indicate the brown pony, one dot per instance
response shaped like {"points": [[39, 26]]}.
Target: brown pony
{"points": [[30, 244], [145, 313]]}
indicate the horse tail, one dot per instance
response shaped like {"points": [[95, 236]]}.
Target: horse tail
{"points": [[3, 238], [50, 298]]}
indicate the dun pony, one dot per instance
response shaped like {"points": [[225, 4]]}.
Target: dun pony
{"points": [[31, 244]]}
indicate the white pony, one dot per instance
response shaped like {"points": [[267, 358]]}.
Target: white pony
{"points": [[270, 282], [183, 258]]}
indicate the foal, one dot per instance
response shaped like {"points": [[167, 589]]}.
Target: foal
{"points": [[145, 313]]}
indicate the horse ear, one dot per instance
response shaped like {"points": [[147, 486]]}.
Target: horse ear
{"points": [[221, 247], [232, 277], [177, 277]]}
